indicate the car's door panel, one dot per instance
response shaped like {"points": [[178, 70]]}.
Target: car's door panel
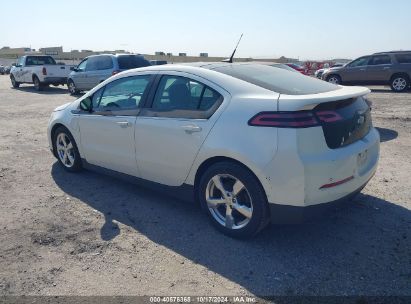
{"points": [[379, 69], [166, 147], [107, 134], [355, 72]]}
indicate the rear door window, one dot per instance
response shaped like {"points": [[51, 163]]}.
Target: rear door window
{"points": [[380, 59], [104, 63], [403, 58], [126, 62], [181, 97]]}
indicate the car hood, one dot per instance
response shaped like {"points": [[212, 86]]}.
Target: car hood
{"points": [[62, 107]]}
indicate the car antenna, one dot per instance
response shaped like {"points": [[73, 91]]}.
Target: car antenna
{"points": [[230, 60]]}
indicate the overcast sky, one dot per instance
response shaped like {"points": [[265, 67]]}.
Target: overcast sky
{"points": [[313, 29]]}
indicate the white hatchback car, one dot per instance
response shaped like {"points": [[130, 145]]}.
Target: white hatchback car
{"points": [[251, 143]]}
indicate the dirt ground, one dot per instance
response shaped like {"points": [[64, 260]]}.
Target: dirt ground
{"points": [[90, 234]]}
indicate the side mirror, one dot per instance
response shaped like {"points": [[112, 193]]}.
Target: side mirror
{"points": [[18, 65], [86, 104], [13, 64], [72, 68]]}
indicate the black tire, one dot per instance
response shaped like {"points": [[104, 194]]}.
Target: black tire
{"points": [[38, 86], [14, 83], [252, 188], [399, 83], [71, 86], [76, 164], [333, 78]]}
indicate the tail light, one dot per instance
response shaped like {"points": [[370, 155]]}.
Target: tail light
{"points": [[44, 71], [298, 119], [115, 72]]}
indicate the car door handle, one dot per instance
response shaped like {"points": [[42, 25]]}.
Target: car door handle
{"points": [[191, 129], [123, 124], [362, 69], [386, 68]]}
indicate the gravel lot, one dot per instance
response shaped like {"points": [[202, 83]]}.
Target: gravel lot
{"points": [[89, 234]]}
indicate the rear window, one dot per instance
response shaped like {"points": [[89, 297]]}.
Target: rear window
{"points": [[403, 58], [277, 80], [131, 62], [39, 60]]}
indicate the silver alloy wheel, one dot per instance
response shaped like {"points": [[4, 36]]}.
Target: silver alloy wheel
{"points": [[229, 201], [72, 87], [65, 150], [333, 80], [399, 84]]}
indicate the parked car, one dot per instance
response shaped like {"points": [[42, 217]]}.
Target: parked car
{"points": [[7, 69], [319, 72], [250, 142], [2, 70], [386, 68], [158, 62], [296, 67], [39, 70], [97, 68]]}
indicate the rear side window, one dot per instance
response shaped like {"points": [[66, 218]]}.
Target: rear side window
{"points": [[277, 80], [181, 97], [127, 62], [403, 58], [380, 59], [99, 63], [39, 60]]}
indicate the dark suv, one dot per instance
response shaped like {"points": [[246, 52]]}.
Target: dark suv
{"points": [[385, 68], [97, 68]]}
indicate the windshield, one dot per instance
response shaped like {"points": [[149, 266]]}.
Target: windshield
{"points": [[277, 80]]}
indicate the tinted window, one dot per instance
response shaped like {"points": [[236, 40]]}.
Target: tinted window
{"points": [[380, 59], [180, 93], [126, 62], [359, 62], [104, 63], [39, 60], [92, 64], [403, 58], [277, 80], [124, 94]]}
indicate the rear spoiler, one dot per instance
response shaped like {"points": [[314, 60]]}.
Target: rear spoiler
{"points": [[308, 102]]}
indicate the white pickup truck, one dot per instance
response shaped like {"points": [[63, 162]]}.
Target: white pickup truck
{"points": [[39, 70]]}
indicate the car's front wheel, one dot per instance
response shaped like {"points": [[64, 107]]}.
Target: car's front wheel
{"points": [[335, 79], [234, 199], [66, 150], [399, 83], [14, 83], [72, 87]]}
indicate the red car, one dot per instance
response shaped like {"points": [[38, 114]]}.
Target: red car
{"points": [[297, 68]]}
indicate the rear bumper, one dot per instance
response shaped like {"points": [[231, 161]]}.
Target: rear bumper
{"points": [[282, 214], [62, 80]]}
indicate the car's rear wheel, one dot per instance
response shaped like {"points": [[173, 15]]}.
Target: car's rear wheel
{"points": [[335, 79], [234, 199], [14, 83], [72, 87], [66, 150], [399, 83], [37, 84]]}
